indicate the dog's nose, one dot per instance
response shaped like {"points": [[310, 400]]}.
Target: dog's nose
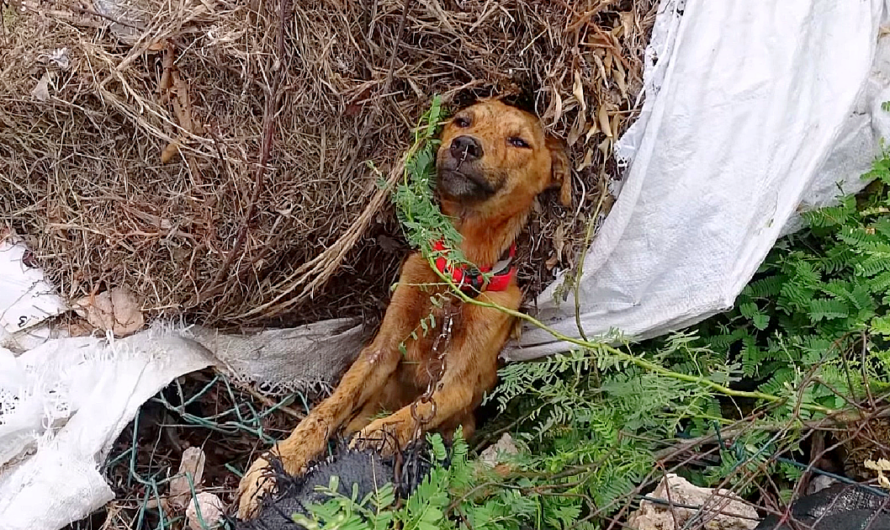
{"points": [[466, 148]]}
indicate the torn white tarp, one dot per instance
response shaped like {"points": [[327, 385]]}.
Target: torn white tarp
{"points": [[752, 109], [62, 405], [286, 360], [64, 401]]}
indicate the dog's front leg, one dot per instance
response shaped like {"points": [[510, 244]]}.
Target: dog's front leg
{"points": [[470, 371], [307, 442], [386, 435], [364, 379]]}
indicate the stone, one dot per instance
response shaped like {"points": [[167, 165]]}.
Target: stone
{"points": [[717, 509]]}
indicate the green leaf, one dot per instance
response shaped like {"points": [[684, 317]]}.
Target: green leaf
{"points": [[765, 287], [438, 447], [748, 310], [881, 325], [760, 321], [823, 309]]}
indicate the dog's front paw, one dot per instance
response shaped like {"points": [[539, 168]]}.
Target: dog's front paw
{"points": [[294, 454], [256, 483]]}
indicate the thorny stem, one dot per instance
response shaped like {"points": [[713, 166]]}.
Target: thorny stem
{"points": [[591, 229]]}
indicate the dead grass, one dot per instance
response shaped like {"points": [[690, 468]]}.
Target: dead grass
{"points": [[273, 109]]}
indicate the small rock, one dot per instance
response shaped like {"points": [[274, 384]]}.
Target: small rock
{"points": [[492, 455], [719, 509], [212, 510]]}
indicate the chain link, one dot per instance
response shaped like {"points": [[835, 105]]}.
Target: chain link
{"points": [[438, 351]]}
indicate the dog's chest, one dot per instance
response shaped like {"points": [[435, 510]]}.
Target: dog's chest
{"points": [[425, 351]]}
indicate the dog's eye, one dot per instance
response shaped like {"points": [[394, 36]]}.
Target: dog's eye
{"points": [[462, 122], [515, 141]]}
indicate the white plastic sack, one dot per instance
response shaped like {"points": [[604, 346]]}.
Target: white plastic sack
{"points": [[64, 400], [753, 108], [286, 360], [62, 405], [26, 298]]}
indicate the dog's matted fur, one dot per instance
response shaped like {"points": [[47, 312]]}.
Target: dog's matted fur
{"points": [[493, 161]]}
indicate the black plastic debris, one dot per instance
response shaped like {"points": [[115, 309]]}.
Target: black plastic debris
{"points": [[365, 469], [839, 507]]}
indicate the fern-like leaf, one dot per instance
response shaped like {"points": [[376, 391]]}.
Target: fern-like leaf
{"points": [[824, 309]]}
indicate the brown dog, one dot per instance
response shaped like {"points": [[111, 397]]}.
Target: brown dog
{"points": [[493, 161]]}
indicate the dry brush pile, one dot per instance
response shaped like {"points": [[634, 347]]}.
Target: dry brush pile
{"points": [[224, 158]]}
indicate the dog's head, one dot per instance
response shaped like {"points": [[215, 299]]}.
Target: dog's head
{"points": [[495, 157]]}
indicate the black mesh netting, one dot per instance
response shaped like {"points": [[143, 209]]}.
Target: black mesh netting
{"points": [[839, 507], [365, 470]]}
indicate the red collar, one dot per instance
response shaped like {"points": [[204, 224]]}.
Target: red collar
{"points": [[471, 281]]}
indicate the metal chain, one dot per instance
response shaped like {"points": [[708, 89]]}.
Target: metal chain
{"points": [[439, 350]]}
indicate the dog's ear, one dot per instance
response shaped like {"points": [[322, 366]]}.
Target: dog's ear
{"points": [[561, 172]]}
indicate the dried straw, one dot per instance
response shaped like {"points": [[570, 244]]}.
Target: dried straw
{"points": [[266, 114]]}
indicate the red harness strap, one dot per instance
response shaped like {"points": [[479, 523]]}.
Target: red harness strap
{"points": [[472, 281]]}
